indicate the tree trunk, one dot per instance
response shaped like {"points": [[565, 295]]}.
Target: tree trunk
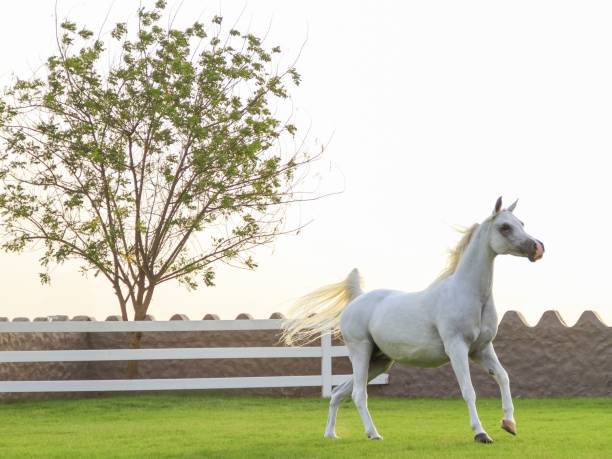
{"points": [[132, 365], [134, 343]]}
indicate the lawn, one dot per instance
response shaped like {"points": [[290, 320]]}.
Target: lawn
{"points": [[209, 425]]}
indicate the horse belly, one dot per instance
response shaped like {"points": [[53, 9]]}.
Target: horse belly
{"points": [[415, 354], [403, 330]]}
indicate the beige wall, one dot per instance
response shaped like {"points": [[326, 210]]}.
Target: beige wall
{"points": [[548, 360]]}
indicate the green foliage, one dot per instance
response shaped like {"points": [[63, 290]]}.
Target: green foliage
{"points": [[122, 166]]}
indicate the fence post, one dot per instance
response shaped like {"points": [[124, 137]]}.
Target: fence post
{"points": [[326, 364]]}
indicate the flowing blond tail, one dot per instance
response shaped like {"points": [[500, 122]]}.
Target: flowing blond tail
{"points": [[320, 311]]}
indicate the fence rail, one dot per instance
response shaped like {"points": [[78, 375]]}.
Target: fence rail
{"points": [[140, 326], [326, 351]]}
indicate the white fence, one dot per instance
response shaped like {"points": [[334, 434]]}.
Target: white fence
{"points": [[325, 352]]}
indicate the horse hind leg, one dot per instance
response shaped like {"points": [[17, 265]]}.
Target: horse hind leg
{"points": [[378, 365], [361, 354], [338, 394]]}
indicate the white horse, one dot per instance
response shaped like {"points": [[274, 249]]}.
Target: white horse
{"points": [[454, 319]]}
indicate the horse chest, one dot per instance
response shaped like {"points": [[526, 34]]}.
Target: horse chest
{"points": [[486, 334]]}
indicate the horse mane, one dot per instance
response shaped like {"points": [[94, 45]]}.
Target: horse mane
{"points": [[454, 254]]}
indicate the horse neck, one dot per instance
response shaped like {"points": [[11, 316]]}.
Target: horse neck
{"points": [[475, 268]]}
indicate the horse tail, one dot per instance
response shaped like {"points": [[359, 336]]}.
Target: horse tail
{"points": [[320, 311]]}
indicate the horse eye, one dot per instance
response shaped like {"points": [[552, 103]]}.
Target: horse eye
{"points": [[505, 228]]}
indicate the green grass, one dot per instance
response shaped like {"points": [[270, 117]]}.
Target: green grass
{"points": [[209, 425]]}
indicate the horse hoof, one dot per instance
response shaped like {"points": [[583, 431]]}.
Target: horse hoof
{"points": [[331, 436], [375, 437], [508, 426], [483, 438]]}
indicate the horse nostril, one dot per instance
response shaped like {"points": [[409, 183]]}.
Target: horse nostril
{"points": [[537, 250]]}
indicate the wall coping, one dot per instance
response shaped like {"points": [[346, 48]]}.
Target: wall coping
{"points": [[549, 319]]}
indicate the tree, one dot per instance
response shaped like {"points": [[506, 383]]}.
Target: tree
{"points": [[125, 166]]}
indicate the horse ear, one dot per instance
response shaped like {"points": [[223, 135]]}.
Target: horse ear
{"points": [[498, 205], [512, 206]]}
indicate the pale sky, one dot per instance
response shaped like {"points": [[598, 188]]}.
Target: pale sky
{"points": [[434, 109]]}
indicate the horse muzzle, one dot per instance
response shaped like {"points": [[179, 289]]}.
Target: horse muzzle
{"points": [[538, 251]]}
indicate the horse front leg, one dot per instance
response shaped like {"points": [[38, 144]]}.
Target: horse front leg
{"points": [[457, 352], [487, 358]]}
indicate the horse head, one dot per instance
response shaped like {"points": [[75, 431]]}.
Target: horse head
{"points": [[508, 235]]}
